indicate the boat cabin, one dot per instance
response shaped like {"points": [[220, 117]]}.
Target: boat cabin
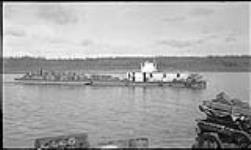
{"points": [[149, 73], [148, 67]]}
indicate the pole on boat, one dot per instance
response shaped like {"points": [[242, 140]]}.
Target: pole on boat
{"points": [[41, 71]]}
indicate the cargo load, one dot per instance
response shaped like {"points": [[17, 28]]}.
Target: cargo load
{"points": [[227, 122], [223, 106]]}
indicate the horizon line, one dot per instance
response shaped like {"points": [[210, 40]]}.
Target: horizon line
{"points": [[124, 56]]}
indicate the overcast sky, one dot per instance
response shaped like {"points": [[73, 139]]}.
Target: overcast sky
{"points": [[68, 30]]}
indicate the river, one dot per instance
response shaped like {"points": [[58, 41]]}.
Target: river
{"points": [[163, 114]]}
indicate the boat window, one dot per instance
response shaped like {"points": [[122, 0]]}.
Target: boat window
{"points": [[178, 75]]}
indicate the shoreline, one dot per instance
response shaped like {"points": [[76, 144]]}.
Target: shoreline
{"points": [[124, 71]]}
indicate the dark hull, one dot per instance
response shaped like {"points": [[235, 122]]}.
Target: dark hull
{"points": [[46, 82], [127, 83], [113, 83], [201, 85]]}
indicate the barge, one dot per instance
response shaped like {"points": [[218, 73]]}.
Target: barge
{"points": [[53, 78], [45, 82]]}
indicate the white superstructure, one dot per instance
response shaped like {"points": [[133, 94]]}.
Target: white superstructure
{"points": [[148, 67], [149, 73]]}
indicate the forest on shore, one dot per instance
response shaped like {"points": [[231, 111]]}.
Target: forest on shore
{"points": [[12, 65]]}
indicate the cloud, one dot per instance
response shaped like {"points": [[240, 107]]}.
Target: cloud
{"points": [[175, 43], [42, 32], [181, 43], [204, 39], [174, 19], [87, 42], [230, 36], [15, 32], [202, 11], [57, 14], [230, 39], [7, 11]]}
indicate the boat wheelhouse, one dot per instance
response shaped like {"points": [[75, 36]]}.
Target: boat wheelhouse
{"points": [[149, 73]]}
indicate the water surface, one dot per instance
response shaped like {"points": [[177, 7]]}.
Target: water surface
{"points": [[165, 115]]}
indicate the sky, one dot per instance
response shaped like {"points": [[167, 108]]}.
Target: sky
{"points": [[98, 29]]}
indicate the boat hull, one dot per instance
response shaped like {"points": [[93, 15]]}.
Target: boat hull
{"points": [[161, 84], [129, 83], [113, 83], [44, 82]]}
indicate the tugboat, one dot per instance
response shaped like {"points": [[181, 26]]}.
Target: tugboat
{"points": [[150, 75], [227, 124], [147, 76]]}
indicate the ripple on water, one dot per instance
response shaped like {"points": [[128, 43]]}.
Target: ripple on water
{"points": [[165, 115]]}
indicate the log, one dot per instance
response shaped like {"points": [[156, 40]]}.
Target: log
{"points": [[65, 141]]}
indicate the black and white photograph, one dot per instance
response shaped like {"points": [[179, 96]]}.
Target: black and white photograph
{"points": [[123, 74]]}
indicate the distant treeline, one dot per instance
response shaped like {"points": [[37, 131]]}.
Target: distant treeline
{"points": [[196, 64]]}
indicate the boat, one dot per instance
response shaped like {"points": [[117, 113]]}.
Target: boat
{"points": [[149, 75]]}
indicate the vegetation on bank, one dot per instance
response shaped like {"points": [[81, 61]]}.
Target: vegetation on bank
{"points": [[196, 64]]}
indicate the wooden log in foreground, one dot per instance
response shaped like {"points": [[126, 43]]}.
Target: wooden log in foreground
{"points": [[81, 141], [66, 141], [127, 143]]}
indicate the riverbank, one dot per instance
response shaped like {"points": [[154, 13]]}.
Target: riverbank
{"points": [[123, 64]]}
